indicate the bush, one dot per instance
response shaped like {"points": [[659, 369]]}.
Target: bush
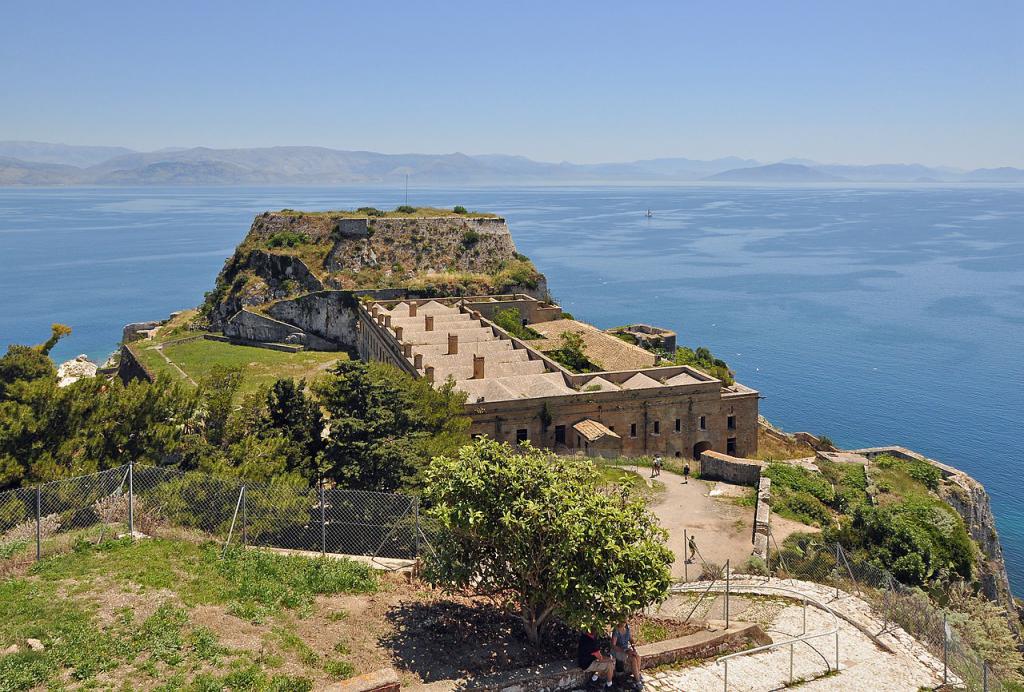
{"points": [[370, 211], [511, 321], [921, 471], [470, 238], [533, 529], [459, 209], [405, 209], [711, 571], [287, 239], [754, 565]]}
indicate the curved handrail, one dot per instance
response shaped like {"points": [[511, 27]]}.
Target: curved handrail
{"points": [[803, 638]]}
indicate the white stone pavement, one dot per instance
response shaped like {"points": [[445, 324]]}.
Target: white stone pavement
{"points": [[862, 664]]}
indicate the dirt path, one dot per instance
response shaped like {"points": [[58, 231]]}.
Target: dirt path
{"points": [[722, 528]]}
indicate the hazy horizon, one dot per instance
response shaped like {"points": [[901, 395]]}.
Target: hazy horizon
{"points": [[937, 83]]}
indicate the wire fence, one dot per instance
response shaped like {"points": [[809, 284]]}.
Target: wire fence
{"points": [[901, 606], [154, 501]]}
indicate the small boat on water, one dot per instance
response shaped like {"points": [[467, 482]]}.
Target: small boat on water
{"points": [[649, 213]]}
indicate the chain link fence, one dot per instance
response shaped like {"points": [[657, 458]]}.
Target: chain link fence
{"points": [[908, 608], [153, 501]]}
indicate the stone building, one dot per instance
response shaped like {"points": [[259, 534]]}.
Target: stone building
{"points": [[515, 392]]}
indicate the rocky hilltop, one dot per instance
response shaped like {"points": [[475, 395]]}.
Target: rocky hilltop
{"points": [[436, 252]]}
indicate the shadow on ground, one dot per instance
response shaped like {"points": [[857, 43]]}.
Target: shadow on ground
{"points": [[444, 640]]}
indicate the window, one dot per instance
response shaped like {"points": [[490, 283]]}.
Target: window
{"points": [[657, 427], [559, 434], [730, 446], [679, 424], [703, 423], [731, 422], [632, 429], [522, 435]]}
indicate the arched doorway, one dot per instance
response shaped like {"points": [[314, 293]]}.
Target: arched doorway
{"points": [[700, 447]]}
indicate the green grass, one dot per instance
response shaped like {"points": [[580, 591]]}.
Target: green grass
{"points": [[260, 366], [630, 480], [57, 602]]}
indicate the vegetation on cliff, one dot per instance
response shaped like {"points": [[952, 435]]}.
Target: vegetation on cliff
{"points": [[897, 521], [434, 251]]}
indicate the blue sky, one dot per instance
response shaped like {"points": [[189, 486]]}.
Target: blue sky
{"points": [[855, 82]]}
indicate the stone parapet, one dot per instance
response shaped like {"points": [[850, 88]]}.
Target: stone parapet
{"points": [[722, 467]]}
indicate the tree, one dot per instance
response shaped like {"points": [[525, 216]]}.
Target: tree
{"points": [[296, 416], [532, 529], [571, 353], [384, 425]]}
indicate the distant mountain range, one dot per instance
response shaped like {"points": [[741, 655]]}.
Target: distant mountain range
{"points": [[37, 163]]}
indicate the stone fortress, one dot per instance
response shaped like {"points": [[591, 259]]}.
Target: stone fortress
{"points": [[316, 297]]}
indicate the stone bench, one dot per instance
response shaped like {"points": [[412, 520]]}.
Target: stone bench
{"points": [[566, 675]]}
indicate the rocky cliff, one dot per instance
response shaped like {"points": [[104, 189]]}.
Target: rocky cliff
{"points": [[287, 254]]}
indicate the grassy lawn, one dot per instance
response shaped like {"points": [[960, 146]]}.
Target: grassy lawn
{"points": [[260, 366], [159, 614]]}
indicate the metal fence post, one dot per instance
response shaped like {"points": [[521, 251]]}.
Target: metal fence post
{"points": [[686, 560], [416, 535], [39, 522], [726, 594], [131, 500], [245, 517], [945, 650], [323, 522], [984, 676]]}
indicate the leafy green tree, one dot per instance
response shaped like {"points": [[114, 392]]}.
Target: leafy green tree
{"points": [[384, 425], [29, 363], [532, 529], [572, 353], [704, 360], [297, 416]]}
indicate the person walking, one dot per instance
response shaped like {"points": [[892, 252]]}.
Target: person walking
{"points": [[692, 545], [686, 473], [656, 466]]}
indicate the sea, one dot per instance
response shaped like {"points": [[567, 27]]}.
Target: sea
{"points": [[875, 315]]}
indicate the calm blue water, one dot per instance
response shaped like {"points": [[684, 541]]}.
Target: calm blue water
{"points": [[873, 314]]}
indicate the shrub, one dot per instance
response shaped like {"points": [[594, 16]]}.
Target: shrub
{"points": [[287, 239], [511, 321], [754, 565], [921, 471], [459, 209], [370, 211], [470, 238], [533, 529], [405, 209], [711, 571]]}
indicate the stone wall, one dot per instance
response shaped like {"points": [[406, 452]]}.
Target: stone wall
{"points": [[250, 326], [762, 518], [430, 244], [565, 675], [722, 467], [130, 367], [330, 315]]}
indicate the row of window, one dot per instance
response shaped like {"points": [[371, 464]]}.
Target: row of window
{"points": [[522, 434]]}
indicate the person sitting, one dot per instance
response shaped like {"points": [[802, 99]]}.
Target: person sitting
{"points": [[590, 658], [624, 650]]}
